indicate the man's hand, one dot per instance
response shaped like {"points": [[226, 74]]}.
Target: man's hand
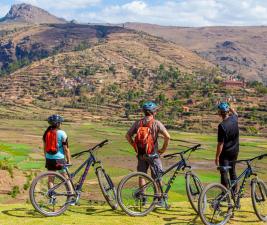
{"points": [[161, 151], [217, 161]]}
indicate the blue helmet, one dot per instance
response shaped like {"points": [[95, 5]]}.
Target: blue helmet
{"points": [[55, 119], [150, 106], [223, 106]]}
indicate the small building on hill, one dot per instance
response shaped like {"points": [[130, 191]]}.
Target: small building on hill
{"points": [[234, 83]]}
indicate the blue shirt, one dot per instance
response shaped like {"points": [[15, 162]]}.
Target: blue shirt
{"points": [[61, 137]]}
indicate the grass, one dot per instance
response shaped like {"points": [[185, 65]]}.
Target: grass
{"points": [[179, 214]]}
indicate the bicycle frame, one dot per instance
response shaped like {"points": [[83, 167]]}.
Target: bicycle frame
{"points": [[245, 175], [180, 165]]}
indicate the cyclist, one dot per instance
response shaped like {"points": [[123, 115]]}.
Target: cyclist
{"points": [[156, 128], [55, 147], [228, 141]]}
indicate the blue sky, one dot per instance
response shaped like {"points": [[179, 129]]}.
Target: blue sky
{"points": [[166, 12]]}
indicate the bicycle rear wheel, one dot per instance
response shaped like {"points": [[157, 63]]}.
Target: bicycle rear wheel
{"points": [[107, 187], [193, 189], [136, 199], [259, 198], [214, 205], [53, 201]]}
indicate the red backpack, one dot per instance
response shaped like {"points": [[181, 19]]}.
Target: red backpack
{"points": [[51, 142], [144, 141]]}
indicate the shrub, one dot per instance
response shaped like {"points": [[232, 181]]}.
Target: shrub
{"points": [[14, 192]]}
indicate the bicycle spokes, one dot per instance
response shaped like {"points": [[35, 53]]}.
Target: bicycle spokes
{"points": [[216, 205], [138, 194]]}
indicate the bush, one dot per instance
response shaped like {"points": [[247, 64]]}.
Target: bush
{"points": [[5, 165], [252, 130], [14, 192]]}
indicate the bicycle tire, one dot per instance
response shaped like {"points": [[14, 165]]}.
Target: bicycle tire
{"points": [[189, 193], [111, 200], [256, 199], [204, 198], [121, 201], [33, 198]]}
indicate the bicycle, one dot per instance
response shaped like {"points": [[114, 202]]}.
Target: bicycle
{"points": [[55, 201], [217, 203], [139, 199]]}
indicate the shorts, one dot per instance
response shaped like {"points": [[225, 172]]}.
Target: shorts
{"points": [[55, 164], [143, 165]]}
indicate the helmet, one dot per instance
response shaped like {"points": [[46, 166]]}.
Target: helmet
{"points": [[150, 106], [55, 119], [223, 106]]}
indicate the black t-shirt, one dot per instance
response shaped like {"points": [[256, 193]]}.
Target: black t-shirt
{"points": [[228, 133]]}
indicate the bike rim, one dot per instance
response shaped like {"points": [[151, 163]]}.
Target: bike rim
{"points": [[108, 188], [260, 199], [135, 199], [194, 189], [215, 206], [51, 201]]}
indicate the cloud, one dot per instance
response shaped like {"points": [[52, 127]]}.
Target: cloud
{"points": [[61, 4], [4, 10], [184, 12]]}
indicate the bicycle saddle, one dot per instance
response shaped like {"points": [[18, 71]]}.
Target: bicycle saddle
{"points": [[151, 157], [224, 168]]}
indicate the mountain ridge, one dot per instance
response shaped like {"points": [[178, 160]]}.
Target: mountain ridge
{"points": [[30, 14]]}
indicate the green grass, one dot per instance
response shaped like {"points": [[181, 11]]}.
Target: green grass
{"points": [[180, 214]]}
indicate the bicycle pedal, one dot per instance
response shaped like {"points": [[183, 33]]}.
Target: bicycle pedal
{"points": [[167, 206]]}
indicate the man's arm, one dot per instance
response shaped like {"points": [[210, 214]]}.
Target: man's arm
{"points": [[130, 134], [167, 138], [130, 139], [218, 152], [232, 110]]}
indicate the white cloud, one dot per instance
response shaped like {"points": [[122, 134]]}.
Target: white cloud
{"points": [[184, 12], [61, 4], [4, 10]]}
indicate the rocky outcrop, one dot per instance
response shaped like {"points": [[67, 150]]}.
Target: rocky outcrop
{"points": [[30, 14]]}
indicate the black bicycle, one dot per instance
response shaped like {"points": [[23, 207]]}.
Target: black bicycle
{"points": [[217, 203], [138, 193], [54, 201]]}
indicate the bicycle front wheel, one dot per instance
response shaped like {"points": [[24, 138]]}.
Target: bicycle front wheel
{"points": [[193, 189], [51, 201], [137, 194], [259, 198], [214, 205], [107, 187]]}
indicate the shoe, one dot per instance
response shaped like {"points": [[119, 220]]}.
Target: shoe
{"points": [[72, 201], [52, 200]]}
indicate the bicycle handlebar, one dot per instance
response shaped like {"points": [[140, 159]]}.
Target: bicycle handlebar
{"points": [[100, 145], [259, 157], [194, 148]]}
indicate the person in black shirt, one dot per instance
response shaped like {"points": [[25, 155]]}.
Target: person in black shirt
{"points": [[228, 141]]}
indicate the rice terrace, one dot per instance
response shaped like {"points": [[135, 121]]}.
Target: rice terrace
{"points": [[75, 76]]}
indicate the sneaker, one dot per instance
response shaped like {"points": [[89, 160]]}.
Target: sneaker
{"points": [[72, 201], [52, 200]]}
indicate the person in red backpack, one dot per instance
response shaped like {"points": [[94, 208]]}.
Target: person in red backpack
{"points": [[146, 133], [56, 148]]}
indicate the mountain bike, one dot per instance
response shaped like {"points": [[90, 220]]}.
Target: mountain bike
{"points": [[54, 201], [138, 199], [217, 203]]}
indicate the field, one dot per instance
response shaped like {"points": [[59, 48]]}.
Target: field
{"points": [[179, 214], [22, 158]]}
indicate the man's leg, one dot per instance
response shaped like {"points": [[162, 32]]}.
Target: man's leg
{"points": [[232, 172], [142, 166], [224, 178]]}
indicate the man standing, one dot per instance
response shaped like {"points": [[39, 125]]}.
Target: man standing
{"points": [[228, 141], [154, 128]]}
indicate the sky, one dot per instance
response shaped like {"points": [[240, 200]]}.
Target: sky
{"points": [[193, 13]]}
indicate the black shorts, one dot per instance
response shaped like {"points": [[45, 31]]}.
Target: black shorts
{"points": [[55, 164]]}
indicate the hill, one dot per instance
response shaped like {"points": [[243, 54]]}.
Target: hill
{"points": [[237, 50], [30, 14]]}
